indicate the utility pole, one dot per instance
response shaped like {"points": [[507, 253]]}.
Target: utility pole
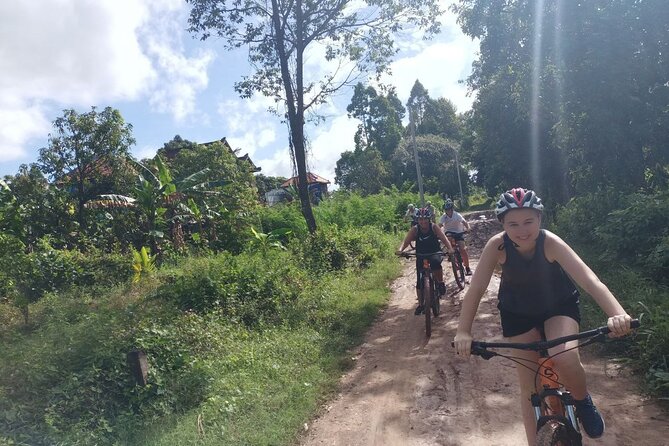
{"points": [[412, 126], [457, 165]]}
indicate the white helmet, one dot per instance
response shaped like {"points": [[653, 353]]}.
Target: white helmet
{"points": [[518, 198]]}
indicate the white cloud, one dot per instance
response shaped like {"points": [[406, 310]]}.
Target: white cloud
{"points": [[72, 52], [17, 125], [278, 165], [180, 77], [329, 142], [448, 64], [75, 54], [251, 127]]}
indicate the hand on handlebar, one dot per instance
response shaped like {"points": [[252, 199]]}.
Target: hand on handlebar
{"points": [[463, 344], [619, 325], [401, 253]]}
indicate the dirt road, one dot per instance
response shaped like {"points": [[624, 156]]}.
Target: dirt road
{"points": [[405, 390]]}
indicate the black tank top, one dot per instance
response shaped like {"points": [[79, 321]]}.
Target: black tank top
{"points": [[535, 286], [426, 243]]}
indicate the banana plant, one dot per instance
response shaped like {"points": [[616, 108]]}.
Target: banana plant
{"points": [[158, 197], [143, 264], [272, 239]]}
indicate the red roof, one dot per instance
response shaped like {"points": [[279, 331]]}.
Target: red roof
{"points": [[311, 179]]}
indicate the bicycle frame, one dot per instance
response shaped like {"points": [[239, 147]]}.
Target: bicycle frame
{"points": [[429, 295], [551, 403]]}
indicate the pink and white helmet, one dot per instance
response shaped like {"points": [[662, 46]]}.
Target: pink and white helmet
{"points": [[518, 198]]}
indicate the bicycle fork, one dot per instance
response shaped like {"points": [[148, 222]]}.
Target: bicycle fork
{"points": [[552, 403]]}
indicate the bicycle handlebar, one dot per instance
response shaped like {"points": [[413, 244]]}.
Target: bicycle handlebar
{"points": [[480, 348], [417, 254]]}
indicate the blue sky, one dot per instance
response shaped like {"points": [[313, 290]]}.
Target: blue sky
{"points": [[135, 56]]}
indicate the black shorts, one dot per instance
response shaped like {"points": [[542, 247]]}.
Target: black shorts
{"points": [[514, 324], [435, 264], [457, 236]]}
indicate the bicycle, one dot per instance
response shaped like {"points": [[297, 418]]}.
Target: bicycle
{"points": [[553, 405], [429, 288], [456, 262]]}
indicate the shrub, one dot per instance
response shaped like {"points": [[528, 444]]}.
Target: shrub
{"points": [[251, 288], [284, 215]]}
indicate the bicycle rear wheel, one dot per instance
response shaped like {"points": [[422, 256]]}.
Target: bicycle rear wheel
{"points": [[554, 433], [427, 304], [458, 269]]}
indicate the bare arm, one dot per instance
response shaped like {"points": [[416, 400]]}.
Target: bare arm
{"points": [[440, 234], [557, 250], [470, 304], [466, 224], [411, 235]]}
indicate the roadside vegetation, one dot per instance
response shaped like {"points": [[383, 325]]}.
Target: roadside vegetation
{"points": [[241, 346], [246, 313]]}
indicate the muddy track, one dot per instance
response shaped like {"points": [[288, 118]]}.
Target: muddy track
{"points": [[407, 390]]}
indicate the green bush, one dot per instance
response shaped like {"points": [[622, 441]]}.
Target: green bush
{"points": [[638, 233], [384, 211], [284, 215], [577, 219], [250, 288], [630, 228]]}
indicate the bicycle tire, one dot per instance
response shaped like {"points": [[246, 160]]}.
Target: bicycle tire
{"points": [[436, 305], [554, 433], [427, 304], [458, 270]]}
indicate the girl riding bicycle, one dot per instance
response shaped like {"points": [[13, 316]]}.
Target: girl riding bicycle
{"points": [[455, 225], [537, 298], [427, 235]]}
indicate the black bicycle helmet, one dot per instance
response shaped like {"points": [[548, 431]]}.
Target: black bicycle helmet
{"points": [[448, 204], [518, 198]]}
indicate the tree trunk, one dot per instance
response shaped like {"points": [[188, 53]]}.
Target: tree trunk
{"points": [[295, 104]]}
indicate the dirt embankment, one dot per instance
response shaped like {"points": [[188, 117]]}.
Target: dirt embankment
{"points": [[407, 390]]}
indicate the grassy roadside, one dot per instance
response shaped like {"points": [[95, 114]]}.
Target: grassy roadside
{"points": [[268, 383], [647, 350]]}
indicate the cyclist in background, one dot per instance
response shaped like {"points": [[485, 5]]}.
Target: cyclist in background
{"points": [[426, 236], [429, 206], [454, 224], [536, 295], [410, 214]]}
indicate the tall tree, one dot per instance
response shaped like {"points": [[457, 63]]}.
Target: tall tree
{"points": [[362, 171], [433, 116], [418, 102], [580, 87], [380, 118], [86, 154], [356, 35]]}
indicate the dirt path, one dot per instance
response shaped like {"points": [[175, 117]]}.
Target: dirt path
{"points": [[405, 390]]}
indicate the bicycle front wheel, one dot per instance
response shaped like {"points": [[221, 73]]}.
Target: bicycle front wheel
{"points": [[458, 270], [436, 306], [427, 302], [554, 433]]}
